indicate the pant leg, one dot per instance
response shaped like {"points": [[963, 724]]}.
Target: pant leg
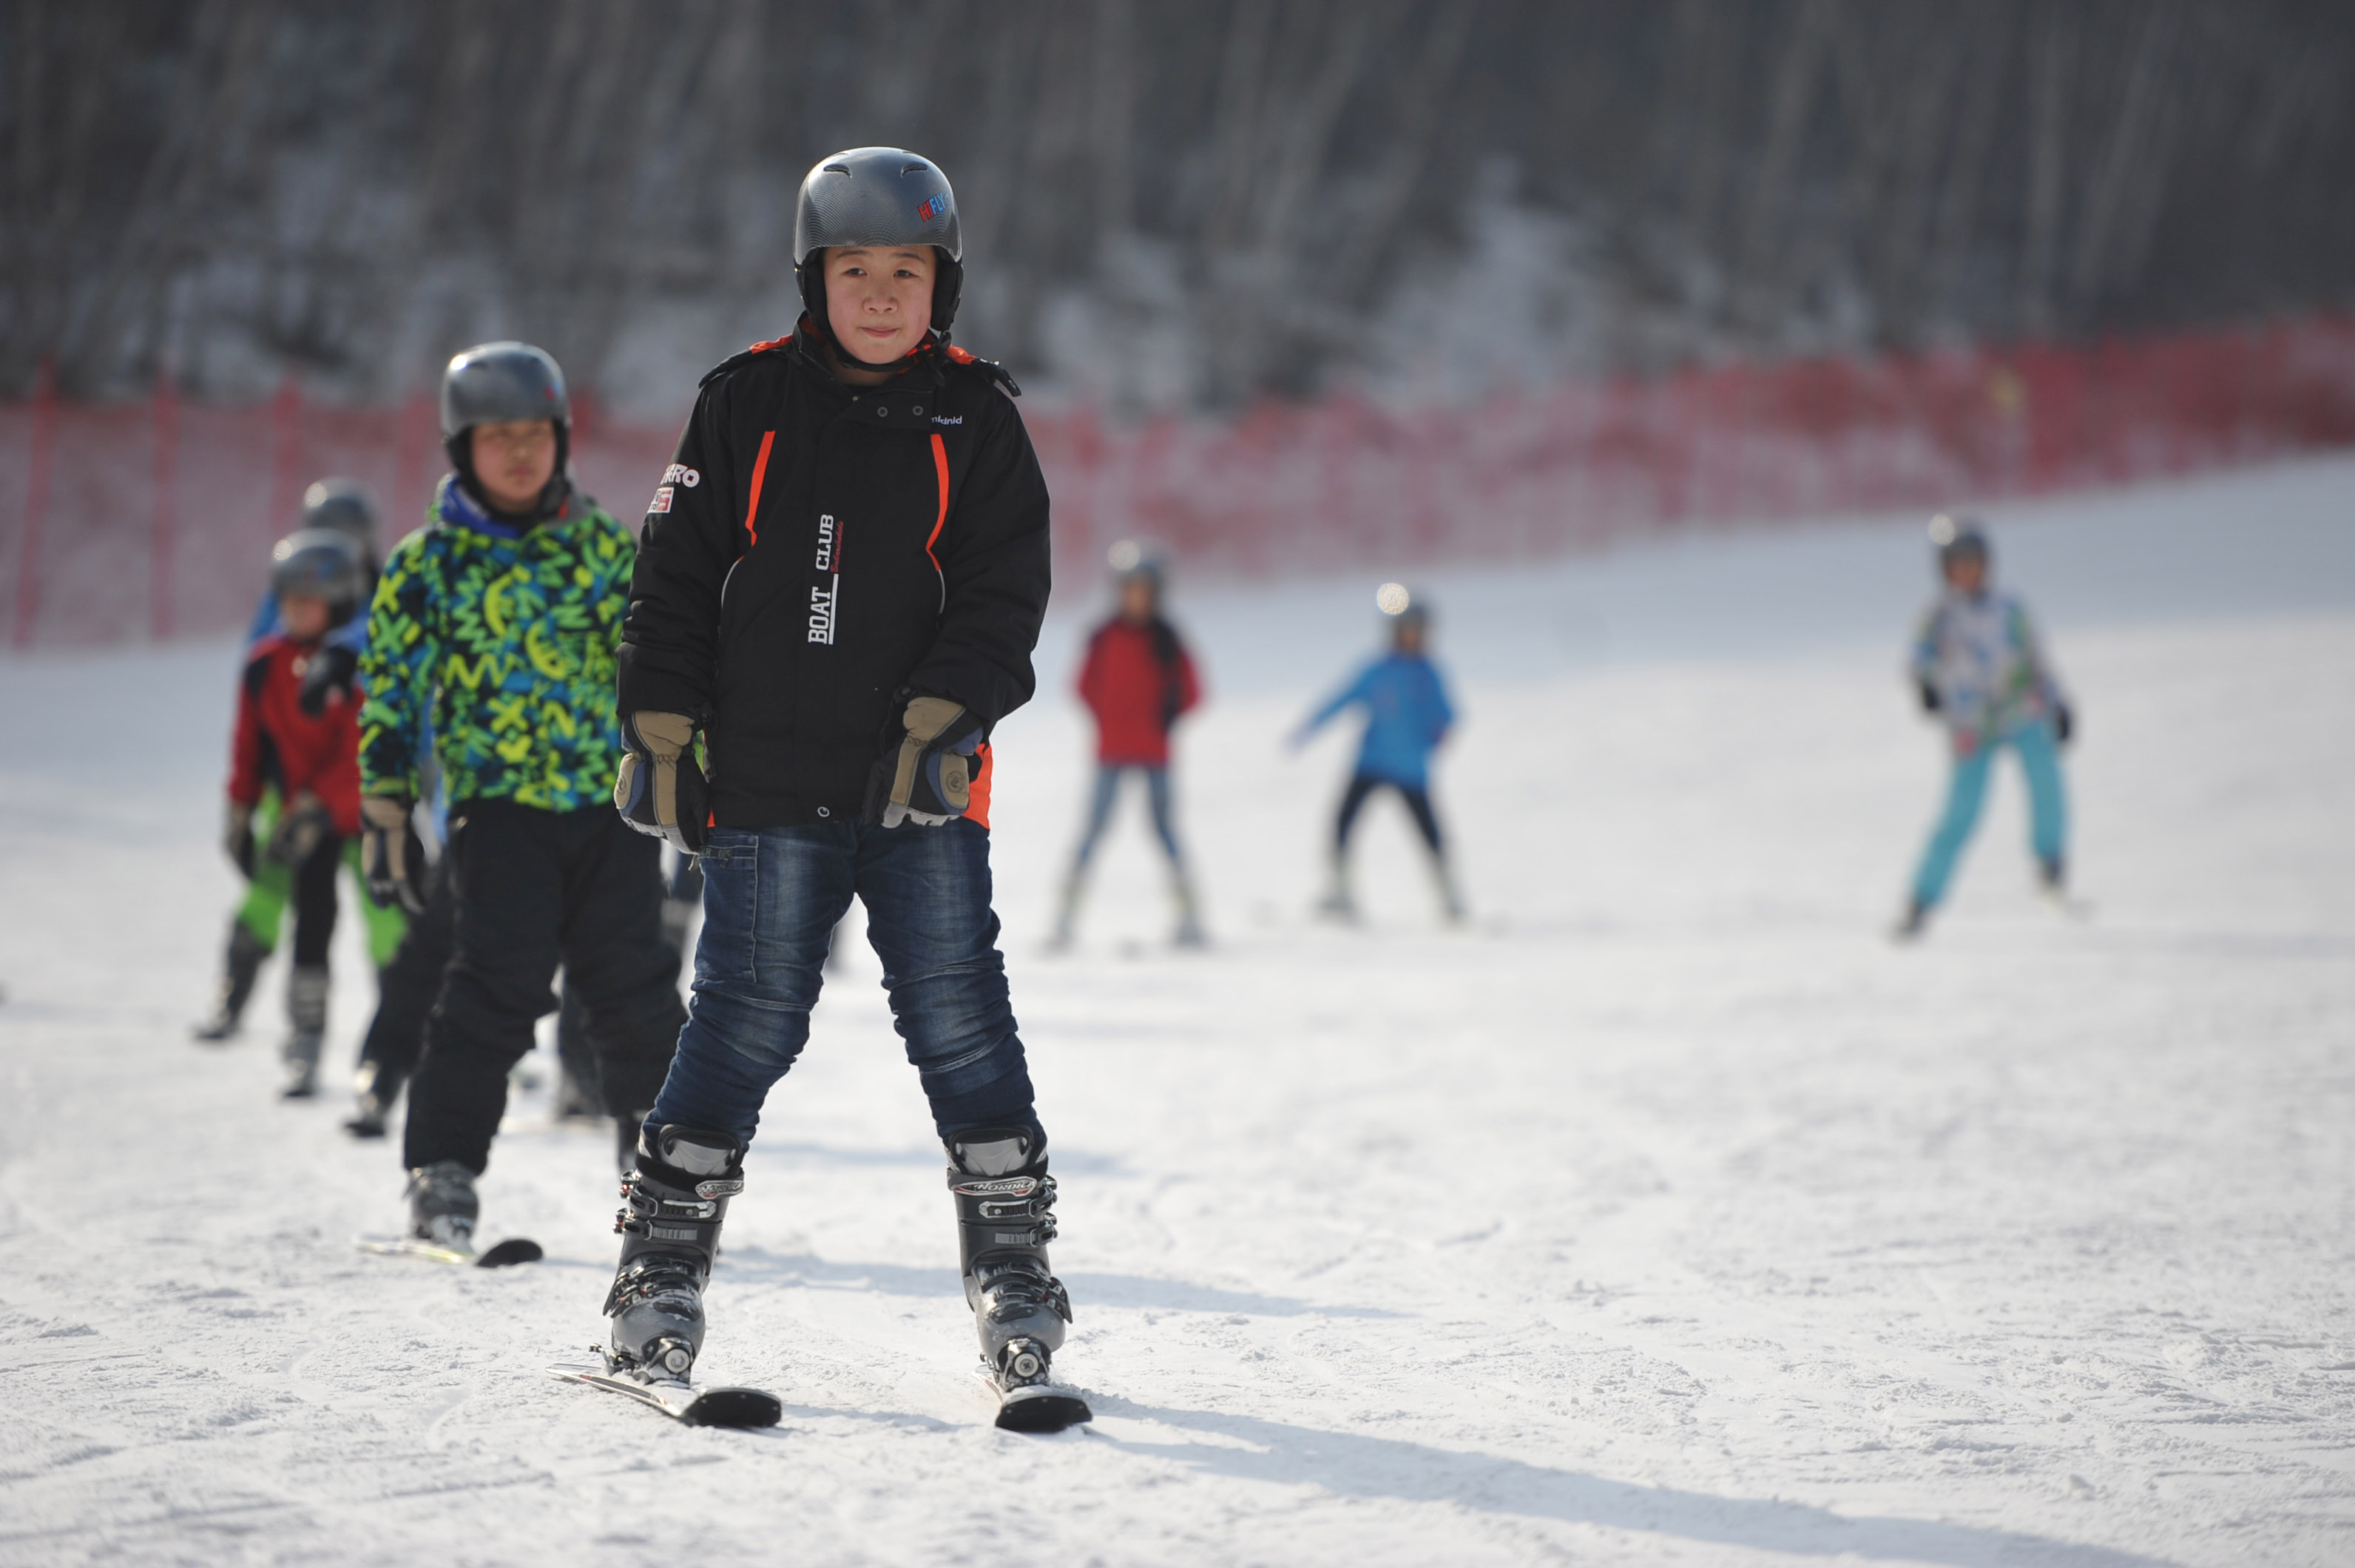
{"points": [[2048, 802], [1965, 791], [927, 892], [615, 958], [508, 865], [572, 1047], [771, 900], [1100, 804], [407, 987], [314, 902], [386, 924], [1353, 800], [1156, 795], [1426, 821]]}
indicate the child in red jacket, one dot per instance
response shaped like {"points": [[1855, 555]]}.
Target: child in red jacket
{"points": [[310, 755], [1137, 680]]}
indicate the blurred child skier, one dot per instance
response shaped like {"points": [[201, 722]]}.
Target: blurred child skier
{"points": [[1137, 679], [343, 507], [1979, 667], [839, 583], [308, 758], [494, 629], [1407, 716]]}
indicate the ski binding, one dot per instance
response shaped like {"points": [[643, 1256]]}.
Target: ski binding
{"points": [[682, 1401], [1027, 1402]]}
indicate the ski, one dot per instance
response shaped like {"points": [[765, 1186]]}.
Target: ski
{"points": [[1034, 1406], [514, 1250], [683, 1402]]}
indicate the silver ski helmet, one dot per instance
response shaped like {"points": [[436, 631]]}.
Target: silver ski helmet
{"points": [[345, 505], [495, 383], [320, 563], [1958, 538], [879, 196]]}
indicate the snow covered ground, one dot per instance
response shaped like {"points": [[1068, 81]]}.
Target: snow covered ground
{"points": [[1672, 1213]]}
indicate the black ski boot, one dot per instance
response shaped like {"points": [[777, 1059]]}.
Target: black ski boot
{"points": [[307, 1020], [375, 1089], [442, 1207], [1006, 1203], [672, 1206], [239, 971]]}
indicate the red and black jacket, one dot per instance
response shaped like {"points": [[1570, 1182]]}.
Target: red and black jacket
{"points": [[816, 552], [278, 744], [1136, 680]]}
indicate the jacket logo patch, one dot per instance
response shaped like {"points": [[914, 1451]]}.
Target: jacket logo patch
{"points": [[948, 419], [680, 473], [661, 503]]}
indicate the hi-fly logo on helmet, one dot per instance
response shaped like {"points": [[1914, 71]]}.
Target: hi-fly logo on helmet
{"points": [[932, 207]]}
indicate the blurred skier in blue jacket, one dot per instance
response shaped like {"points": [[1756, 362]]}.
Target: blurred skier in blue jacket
{"points": [[1407, 716]]}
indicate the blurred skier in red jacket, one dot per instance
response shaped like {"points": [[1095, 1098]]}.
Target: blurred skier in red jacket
{"points": [[1137, 679], [310, 756]]}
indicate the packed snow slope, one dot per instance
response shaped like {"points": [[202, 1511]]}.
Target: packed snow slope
{"points": [[1670, 1212]]}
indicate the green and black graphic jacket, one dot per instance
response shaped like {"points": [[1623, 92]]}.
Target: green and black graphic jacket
{"points": [[499, 643]]}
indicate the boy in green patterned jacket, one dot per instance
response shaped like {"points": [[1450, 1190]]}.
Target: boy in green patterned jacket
{"points": [[494, 629]]}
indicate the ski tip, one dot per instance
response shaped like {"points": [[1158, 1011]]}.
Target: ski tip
{"points": [[734, 1407], [1046, 1410], [514, 1250]]}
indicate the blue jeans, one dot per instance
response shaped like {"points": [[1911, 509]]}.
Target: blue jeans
{"points": [[1156, 795], [771, 899], [2048, 808]]}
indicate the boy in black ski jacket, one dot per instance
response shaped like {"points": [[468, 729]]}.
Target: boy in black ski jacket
{"points": [[839, 584]]}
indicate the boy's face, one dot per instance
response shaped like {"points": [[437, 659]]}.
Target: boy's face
{"points": [[878, 299], [307, 616], [1407, 637], [1968, 573], [1137, 600], [514, 461]]}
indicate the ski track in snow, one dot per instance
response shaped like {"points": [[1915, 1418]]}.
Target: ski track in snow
{"points": [[1670, 1214]]}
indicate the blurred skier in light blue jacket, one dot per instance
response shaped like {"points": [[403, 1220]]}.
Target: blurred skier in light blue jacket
{"points": [[1979, 667], [1407, 716]]}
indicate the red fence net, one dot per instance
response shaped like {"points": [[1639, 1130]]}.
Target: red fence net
{"points": [[153, 520]]}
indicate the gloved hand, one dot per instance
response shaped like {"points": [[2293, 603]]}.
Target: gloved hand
{"points": [[1930, 703], [2064, 723], [392, 857], [330, 669], [925, 775], [660, 790], [237, 837], [301, 827]]}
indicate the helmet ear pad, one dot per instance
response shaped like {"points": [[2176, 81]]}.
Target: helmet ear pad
{"points": [[948, 288]]}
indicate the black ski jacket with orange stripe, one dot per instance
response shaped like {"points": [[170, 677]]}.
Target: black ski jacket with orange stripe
{"points": [[817, 552]]}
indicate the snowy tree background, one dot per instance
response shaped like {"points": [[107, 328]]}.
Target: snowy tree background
{"points": [[1166, 207]]}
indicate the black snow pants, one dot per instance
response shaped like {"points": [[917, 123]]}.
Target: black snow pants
{"points": [[407, 988], [314, 902], [535, 889], [1353, 799]]}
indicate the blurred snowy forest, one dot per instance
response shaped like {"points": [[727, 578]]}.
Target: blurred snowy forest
{"points": [[1164, 206]]}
